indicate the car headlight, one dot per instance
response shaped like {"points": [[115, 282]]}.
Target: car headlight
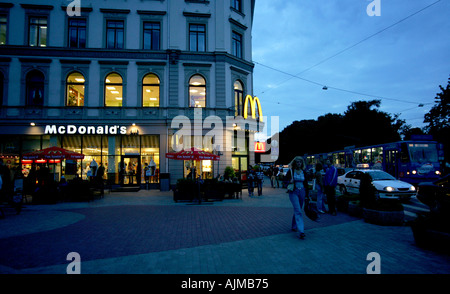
{"points": [[414, 172], [412, 188], [438, 172], [389, 189]]}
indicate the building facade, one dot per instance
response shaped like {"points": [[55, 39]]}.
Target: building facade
{"points": [[109, 79]]}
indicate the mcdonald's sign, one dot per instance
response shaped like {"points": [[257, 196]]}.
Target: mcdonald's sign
{"points": [[253, 103], [260, 147]]}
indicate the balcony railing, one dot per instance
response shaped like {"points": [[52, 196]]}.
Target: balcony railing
{"points": [[71, 114]]}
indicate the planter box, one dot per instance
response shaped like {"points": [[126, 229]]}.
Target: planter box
{"points": [[384, 218], [354, 210]]}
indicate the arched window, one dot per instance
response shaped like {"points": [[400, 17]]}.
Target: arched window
{"points": [[75, 89], [238, 98], [197, 91], [150, 91], [113, 90], [35, 88]]}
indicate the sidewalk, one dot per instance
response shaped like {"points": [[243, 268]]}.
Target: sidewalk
{"points": [[147, 232]]}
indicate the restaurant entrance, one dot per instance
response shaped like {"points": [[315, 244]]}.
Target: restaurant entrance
{"points": [[131, 170]]}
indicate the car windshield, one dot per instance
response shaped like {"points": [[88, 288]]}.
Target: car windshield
{"points": [[378, 175]]}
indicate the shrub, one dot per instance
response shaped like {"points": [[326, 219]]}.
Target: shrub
{"points": [[229, 173]]}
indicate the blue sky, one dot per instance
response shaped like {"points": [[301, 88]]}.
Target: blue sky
{"points": [[402, 65]]}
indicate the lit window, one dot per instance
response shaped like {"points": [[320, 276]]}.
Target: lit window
{"points": [[3, 26], [197, 91], [150, 91], [38, 31], [238, 98], [113, 90], [75, 89]]}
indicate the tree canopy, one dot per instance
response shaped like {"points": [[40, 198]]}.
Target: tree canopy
{"points": [[438, 119], [361, 124]]}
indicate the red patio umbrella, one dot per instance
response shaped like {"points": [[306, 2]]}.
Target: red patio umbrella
{"points": [[53, 153], [192, 154]]}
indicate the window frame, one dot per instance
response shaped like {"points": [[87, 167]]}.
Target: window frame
{"points": [[151, 34], [105, 84], [196, 34], [195, 87], [32, 85], [75, 83], [115, 29], [151, 85], [5, 25], [77, 27], [38, 33], [236, 5], [237, 44], [238, 98]]}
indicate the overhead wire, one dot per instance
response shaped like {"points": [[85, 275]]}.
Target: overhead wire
{"points": [[342, 51]]}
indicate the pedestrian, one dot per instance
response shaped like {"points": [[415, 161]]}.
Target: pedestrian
{"points": [[250, 181], [274, 177], [259, 180], [330, 183], [320, 203], [297, 192]]}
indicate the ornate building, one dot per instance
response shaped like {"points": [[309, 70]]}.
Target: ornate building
{"points": [[108, 78]]}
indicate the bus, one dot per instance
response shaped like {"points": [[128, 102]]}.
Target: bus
{"points": [[413, 161]]}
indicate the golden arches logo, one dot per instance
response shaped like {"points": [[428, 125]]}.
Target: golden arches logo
{"points": [[253, 103]]}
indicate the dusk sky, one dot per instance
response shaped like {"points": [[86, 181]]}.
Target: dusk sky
{"points": [[400, 57]]}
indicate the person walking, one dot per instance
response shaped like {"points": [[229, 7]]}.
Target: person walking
{"points": [[250, 181], [298, 182], [330, 183], [259, 180], [274, 177], [320, 203]]}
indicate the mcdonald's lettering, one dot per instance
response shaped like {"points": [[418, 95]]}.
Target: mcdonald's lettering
{"points": [[253, 103], [260, 147]]}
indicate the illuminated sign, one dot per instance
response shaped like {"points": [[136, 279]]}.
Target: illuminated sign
{"points": [[260, 147], [253, 103], [88, 130]]}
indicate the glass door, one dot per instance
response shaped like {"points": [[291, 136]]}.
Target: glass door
{"points": [[131, 170]]}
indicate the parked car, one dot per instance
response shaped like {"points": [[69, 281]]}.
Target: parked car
{"points": [[386, 185]]}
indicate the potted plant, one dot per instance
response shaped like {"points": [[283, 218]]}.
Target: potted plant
{"points": [[342, 202], [229, 173], [379, 211], [355, 208]]}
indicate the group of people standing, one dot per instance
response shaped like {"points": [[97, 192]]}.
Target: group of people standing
{"points": [[255, 179], [326, 186]]}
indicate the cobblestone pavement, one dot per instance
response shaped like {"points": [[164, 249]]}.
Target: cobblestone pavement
{"points": [[147, 232]]}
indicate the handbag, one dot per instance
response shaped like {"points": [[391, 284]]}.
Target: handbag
{"points": [[290, 187], [310, 210]]}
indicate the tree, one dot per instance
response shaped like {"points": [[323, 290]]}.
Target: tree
{"points": [[368, 125], [438, 119], [362, 124]]}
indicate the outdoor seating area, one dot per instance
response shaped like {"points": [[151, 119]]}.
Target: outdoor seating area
{"points": [[206, 190]]}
